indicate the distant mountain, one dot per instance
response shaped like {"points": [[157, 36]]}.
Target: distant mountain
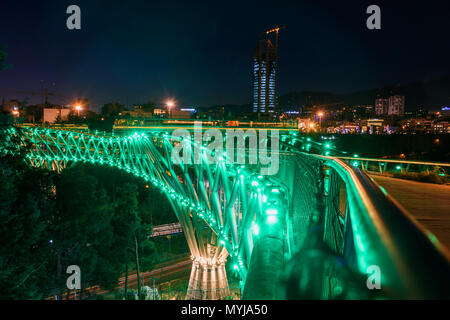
{"points": [[430, 95], [229, 108]]}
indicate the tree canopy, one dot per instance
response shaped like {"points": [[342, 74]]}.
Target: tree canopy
{"points": [[90, 216], [112, 109]]}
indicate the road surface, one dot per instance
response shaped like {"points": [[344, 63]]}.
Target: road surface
{"points": [[428, 203], [170, 270]]}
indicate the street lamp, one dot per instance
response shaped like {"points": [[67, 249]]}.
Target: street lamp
{"points": [[320, 114], [169, 104], [78, 108]]}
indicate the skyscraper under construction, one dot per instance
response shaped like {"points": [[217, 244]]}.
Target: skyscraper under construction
{"points": [[265, 75]]}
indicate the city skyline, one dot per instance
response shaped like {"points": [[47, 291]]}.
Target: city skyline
{"points": [[146, 58]]}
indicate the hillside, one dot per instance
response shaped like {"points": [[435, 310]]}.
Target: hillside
{"points": [[431, 95]]}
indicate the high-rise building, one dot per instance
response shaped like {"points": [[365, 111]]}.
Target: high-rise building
{"points": [[396, 105], [381, 106], [264, 77]]}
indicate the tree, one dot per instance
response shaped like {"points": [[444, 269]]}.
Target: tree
{"points": [[110, 112], [26, 203], [124, 235], [100, 124], [130, 228], [125, 223], [78, 227], [148, 106], [112, 109], [152, 214], [87, 215]]}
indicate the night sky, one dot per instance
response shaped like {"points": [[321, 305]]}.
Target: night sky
{"points": [[201, 53]]}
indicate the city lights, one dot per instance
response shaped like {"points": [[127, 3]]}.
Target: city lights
{"points": [[170, 103]]}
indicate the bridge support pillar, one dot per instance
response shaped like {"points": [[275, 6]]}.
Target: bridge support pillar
{"points": [[208, 282]]}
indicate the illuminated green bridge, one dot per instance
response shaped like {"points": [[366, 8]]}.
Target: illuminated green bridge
{"points": [[316, 230]]}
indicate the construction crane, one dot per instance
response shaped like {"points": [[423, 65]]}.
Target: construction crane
{"points": [[44, 94], [275, 29]]}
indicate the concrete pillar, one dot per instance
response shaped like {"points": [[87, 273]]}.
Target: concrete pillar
{"points": [[207, 281]]}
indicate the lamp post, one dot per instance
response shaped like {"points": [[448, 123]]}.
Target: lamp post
{"points": [[320, 115], [78, 108], [169, 104], [153, 292]]}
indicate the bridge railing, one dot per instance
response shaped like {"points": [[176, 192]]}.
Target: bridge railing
{"points": [[396, 165], [364, 229]]}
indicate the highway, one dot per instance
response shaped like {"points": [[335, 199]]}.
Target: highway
{"points": [[170, 270], [428, 203]]}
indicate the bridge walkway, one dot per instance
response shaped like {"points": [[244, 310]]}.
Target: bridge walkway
{"points": [[428, 203]]}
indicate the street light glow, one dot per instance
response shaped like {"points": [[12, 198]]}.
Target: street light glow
{"points": [[170, 103]]}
